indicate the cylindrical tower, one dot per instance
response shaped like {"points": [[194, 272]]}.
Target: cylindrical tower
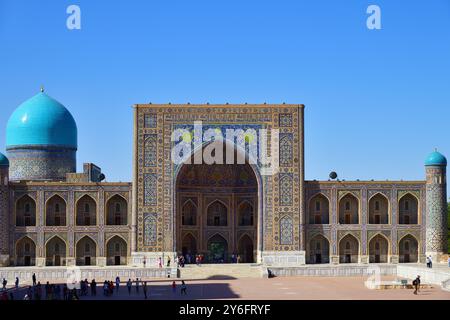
{"points": [[4, 211], [41, 140], [436, 216]]}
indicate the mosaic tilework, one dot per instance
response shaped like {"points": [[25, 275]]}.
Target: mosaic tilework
{"points": [[150, 229], [286, 231], [285, 120], [286, 150], [150, 121], [150, 150], [150, 192], [286, 189]]}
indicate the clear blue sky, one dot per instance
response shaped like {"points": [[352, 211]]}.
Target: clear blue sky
{"points": [[377, 102]]}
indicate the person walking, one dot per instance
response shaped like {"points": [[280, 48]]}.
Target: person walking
{"points": [[144, 288], [17, 283], [34, 279], [183, 288], [117, 283], [137, 285], [4, 283], [129, 284], [416, 284], [174, 287]]}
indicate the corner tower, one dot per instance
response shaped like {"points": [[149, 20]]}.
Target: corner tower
{"points": [[41, 140], [4, 211], [436, 216]]}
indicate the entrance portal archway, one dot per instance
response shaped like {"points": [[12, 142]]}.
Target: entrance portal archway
{"points": [[225, 200]]}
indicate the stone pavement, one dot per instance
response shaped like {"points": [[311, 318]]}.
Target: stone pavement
{"points": [[293, 288]]}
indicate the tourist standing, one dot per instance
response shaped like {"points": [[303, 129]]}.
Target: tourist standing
{"points": [[428, 262], [416, 284], [168, 261], [174, 287], [183, 288], [160, 262], [144, 288], [145, 262], [129, 284], [93, 288], [65, 295], [431, 262], [117, 283], [137, 285], [34, 279], [4, 283], [17, 283]]}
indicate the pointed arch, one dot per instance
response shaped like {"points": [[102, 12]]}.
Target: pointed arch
{"points": [[25, 248], [55, 251], [379, 209], [408, 248], [116, 210], [379, 250], [349, 249], [245, 249], [189, 245], [116, 251], [245, 214], [217, 213], [318, 249], [217, 248], [189, 213], [25, 211], [319, 209], [86, 251], [349, 208], [56, 211], [408, 209], [86, 211]]}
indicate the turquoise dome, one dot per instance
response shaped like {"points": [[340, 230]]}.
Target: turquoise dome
{"points": [[436, 159], [4, 162], [41, 121]]}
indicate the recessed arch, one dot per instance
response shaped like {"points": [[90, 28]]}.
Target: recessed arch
{"points": [[55, 251], [245, 213], [189, 246], [116, 210], [408, 248], [217, 213], [86, 211], [349, 249], [318, 249], [217, 248], [86, 251], [409, 209], [379, 250], [349, 209], [379, 209], [189, 213], [245, 249], [25, 211], [116, 251], [319, 209], [25, 254], [56, 211]]}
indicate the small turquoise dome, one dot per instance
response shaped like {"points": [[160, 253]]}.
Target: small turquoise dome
{"points": [[4, 162], [42, 121], [436, 159]]}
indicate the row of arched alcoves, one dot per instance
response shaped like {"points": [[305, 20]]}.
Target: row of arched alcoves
{"points": [[349, 249], [56, 250], [86, 212], [349, 210]]}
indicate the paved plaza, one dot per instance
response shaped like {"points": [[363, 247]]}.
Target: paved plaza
{"points": [[294, 288]]}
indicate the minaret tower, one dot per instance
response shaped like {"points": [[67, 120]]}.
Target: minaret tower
{"points": [[4, 211], [436, 215]]}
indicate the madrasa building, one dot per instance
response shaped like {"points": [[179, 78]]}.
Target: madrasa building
{"points": [[256, 205]]}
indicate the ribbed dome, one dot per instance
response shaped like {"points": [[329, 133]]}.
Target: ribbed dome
{"points": [[42, 121], [436, 159], [4, 162]]}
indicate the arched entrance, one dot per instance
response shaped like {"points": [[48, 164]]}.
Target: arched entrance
{"points": [[217, 249], [217, 203], [245, 249], [116, 251], [378, 249], [55, 252]]}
